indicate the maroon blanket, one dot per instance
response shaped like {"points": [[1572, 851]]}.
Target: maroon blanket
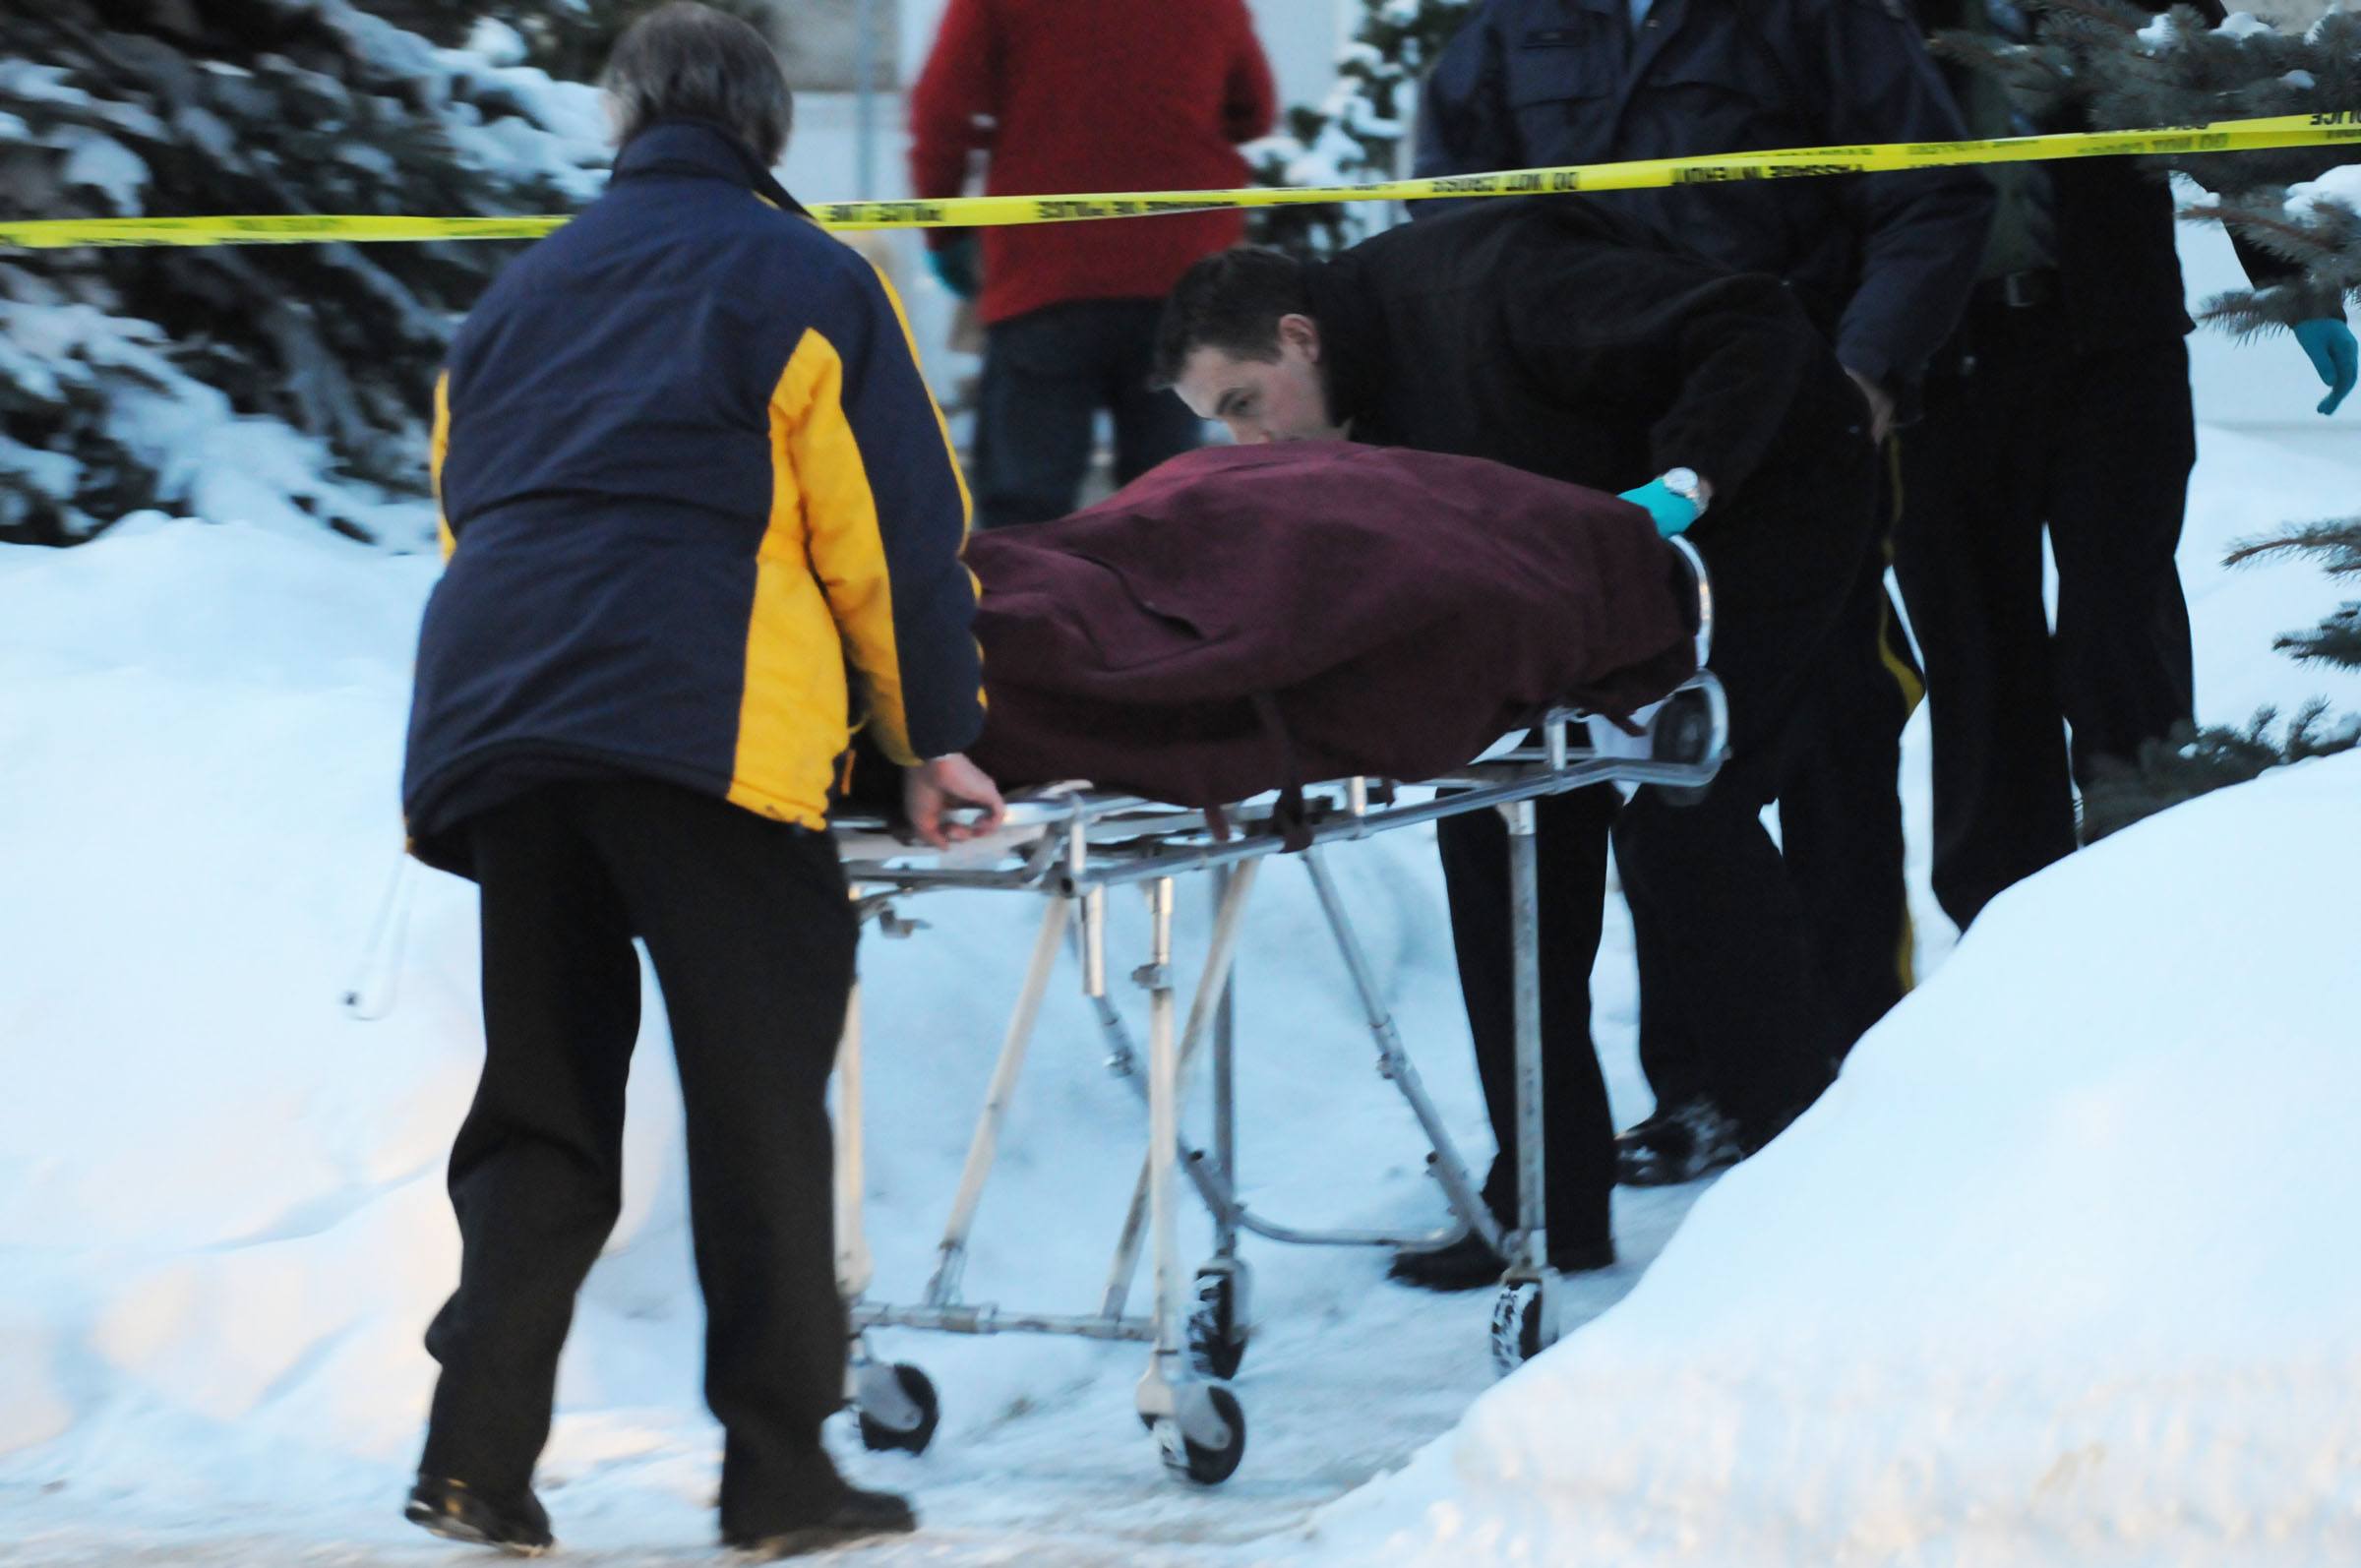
{"points": [[1246, 618]]}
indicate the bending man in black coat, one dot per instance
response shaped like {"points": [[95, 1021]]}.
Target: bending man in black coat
{"points": [[1882, 263], [1540, 335]]}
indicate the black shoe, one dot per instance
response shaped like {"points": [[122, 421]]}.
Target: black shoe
{"points": [[858, 1516], [514, 1522], [1469, 1263], [1585, 1258], [1680, 1143]]}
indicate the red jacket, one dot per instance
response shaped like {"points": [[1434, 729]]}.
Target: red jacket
{"points": [[1072, 99]]}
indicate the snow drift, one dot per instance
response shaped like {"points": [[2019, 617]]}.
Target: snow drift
{"points": [[2052, 1275]]}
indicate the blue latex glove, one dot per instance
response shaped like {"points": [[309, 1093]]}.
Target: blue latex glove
{"points": [[1673, 513], [959, 265], [2334, 355]]}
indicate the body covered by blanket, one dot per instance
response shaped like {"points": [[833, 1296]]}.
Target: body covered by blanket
{"points": [[1247, 618]]}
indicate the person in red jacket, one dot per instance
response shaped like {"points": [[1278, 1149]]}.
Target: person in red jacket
{"points": [[1115, 95]]}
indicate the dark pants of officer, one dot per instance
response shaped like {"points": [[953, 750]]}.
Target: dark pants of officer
{"points": [[1839, 819], [1707, 889], [1840, 806], [1047, 375], [752, 935], [2098, 448]]}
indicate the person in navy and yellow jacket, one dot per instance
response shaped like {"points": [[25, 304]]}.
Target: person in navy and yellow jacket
{"points": [[701, 519]]}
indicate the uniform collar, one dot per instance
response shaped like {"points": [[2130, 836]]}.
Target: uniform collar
{"points": [[700, 149]]}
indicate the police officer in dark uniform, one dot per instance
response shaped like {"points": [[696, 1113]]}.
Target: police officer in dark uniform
{"points": [[1550, 336], [2061, 404], [1882, 265]]}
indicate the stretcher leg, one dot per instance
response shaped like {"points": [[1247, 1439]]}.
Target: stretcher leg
{"points": [[951, 1256], [1394, 1063], [895, 1405], [1522, 1324], [1220, 958], [1219, 1324], [853, 1267], [1225, 1084], [1198, 1427], [1218, 1318]]}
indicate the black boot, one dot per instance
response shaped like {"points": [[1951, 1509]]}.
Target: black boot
{"points": [[1469, 1263], [857, 1515], [512, 1522], [1680, 1143]]}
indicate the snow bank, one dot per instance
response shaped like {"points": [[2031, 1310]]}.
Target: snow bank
{"points": [[221, 1211], [2054, 1274]]}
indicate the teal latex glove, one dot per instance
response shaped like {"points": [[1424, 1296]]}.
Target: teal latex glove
{"points": [[1673, 513], [2334, 355], [959, 265]]}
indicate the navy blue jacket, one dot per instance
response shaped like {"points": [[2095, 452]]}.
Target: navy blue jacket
{"points": [[1882, 263], [695, 492]]}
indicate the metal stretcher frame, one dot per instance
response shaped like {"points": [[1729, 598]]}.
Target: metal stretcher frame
{"points": [[1072, 846]]}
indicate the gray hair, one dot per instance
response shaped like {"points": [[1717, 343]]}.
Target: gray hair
{"points": [[689, 61]]}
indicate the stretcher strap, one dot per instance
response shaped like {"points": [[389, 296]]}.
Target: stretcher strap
{"points": [[1290, 817]]}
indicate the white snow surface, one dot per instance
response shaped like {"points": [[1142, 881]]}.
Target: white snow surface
{"points": [[2342, 184], [2044, 1278], [2051, 1276]]}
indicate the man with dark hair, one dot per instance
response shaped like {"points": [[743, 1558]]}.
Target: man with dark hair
{"points": [[1154, 95], [1540, 335], [1882, 264], [694, 496]]}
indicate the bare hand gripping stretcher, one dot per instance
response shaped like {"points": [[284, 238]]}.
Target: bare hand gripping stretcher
{"points": [[1072, 846]]}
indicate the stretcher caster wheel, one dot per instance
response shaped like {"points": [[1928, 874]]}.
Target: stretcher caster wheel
{"points": [[1684, 731], [1516, 1326], [880, 1437], [1217, 1325], [1206, 1464]]}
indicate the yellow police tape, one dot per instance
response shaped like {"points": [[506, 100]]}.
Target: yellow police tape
{"points": [[986, 212]]}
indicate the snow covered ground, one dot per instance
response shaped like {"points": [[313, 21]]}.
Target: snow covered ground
{"points": [[2050, 1277], [2047, 1277]]}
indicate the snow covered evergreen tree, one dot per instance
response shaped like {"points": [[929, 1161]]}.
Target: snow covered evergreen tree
{"points": [[2111, 65], [2115, 66], [277, 382], [1361, 130]]}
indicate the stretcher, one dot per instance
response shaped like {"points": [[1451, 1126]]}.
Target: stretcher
{"points": [[1074, 848]]}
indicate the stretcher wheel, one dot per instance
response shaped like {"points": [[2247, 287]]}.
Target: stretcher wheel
{"points": [[1684, 731], [1516, 1326], [1207, 1466], [1217, 1329], [919, 1389]]}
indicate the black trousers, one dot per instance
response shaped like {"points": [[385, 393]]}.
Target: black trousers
{"points": [[2097, 447], [1047, 375], [752, 935], [1839, 804], [1712, 901], [1840, 816]]}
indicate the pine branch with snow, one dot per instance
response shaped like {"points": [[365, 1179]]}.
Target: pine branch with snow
{"points": [[284, 382], [1360, 131], [2190, 762], [2110, 65], [2336, 546]]}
